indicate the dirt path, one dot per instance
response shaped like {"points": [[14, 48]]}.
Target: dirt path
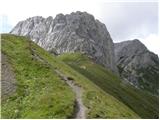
{"points": [[79, 107]]}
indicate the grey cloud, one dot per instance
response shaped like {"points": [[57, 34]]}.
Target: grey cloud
{"points": [[127, 20]]}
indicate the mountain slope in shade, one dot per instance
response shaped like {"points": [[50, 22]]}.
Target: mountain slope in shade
{"points": [[137, 65], [78, 31], [141, 102]]}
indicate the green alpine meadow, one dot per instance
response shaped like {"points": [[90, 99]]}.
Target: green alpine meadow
{"points": [[42, 93]]}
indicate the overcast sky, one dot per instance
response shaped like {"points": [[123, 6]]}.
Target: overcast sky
{"points": [[124, 19]]}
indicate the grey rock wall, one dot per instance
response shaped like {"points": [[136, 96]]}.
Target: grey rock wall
{"points": [[78, 31], [137, 65]]}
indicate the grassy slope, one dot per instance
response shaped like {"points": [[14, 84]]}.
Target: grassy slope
{"points": [[142, 103], [41, 93]]}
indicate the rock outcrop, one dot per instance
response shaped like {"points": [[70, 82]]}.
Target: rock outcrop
{"points": [[8, 81], [78, 31], [137, 65]]}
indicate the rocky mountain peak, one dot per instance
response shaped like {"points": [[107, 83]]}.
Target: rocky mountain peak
{"points": [[131, 47], [137, 65], [78, 31]]}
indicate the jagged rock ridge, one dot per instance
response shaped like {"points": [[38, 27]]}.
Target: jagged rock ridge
{"points": [[78, 31], [137, 65]]}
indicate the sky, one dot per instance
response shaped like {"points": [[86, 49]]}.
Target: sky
{"points": [[124, 19]]}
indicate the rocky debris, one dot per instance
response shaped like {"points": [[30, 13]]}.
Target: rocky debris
{"points": [[53, 51], [8, 81], [75, 32], [137, 65]]}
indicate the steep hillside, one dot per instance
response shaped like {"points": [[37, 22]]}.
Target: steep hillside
{"points": [[144, 104], [137, 65], [46, 87], [39, 91], [78, 31]]}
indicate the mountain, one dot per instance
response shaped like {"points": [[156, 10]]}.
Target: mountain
{"points": [[65, 68], [78, 31], [137, 65], [47, 87], [65, 86]]}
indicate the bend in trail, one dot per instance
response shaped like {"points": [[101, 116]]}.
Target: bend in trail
{"points": [[79, 107]]}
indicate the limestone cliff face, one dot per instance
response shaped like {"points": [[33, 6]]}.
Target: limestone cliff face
{"points": [[137, 65], [78, 31]]}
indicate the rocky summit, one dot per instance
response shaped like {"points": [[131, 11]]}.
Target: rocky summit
{"points": [[75, 32], [137, 65]]}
